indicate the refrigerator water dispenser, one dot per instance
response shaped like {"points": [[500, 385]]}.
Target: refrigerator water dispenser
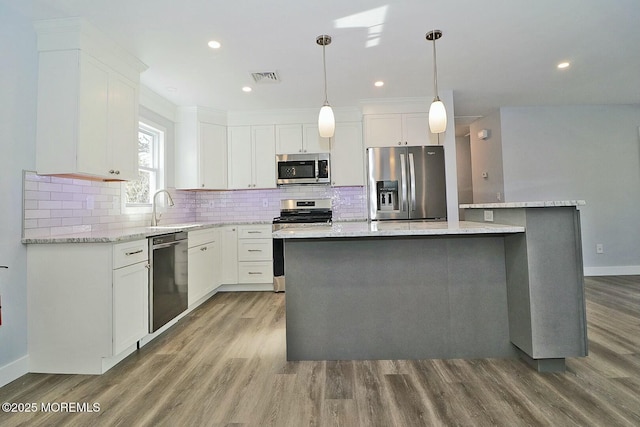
{"points": [[387, 195]]}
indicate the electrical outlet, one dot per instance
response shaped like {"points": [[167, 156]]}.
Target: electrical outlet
{"points": [[212, 204], [488, 216], [599, 248], [265, 203]]}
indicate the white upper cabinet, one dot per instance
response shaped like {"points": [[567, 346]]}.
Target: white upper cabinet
{"points": [[385, 130], [200, 150], [251, 160], [87, 120], [300, 138], [347, 155]]}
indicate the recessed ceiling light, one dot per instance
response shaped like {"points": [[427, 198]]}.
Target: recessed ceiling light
{"points": [[563, 65], [214, 44], [246, 89], [379, 83]]}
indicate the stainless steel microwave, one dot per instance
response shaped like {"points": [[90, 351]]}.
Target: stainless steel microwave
{"points": [[307, 168]]}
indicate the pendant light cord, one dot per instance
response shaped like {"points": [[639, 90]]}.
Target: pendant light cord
{"points": [[324, 65], [435, 70]]}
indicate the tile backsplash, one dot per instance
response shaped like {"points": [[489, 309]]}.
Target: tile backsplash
{"points": [[56, 206]]}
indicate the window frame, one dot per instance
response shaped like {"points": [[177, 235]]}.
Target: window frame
{"points": [[159, 133]]}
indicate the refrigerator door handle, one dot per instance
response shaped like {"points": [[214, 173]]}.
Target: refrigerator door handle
{"points": [[403, 171], [412, 177]]}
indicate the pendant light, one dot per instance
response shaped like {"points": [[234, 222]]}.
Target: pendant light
{"points": [[326, 120], [437, 112]]}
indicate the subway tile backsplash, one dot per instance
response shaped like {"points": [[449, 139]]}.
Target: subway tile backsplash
{"points": [[56, 206]]}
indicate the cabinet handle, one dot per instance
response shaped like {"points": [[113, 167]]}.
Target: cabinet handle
{"points": [[112, 171], [255, 250], [147, 266], [139, 251], [3, 266], [117, 172], [255, 232], [255, 272], [203, 248]]}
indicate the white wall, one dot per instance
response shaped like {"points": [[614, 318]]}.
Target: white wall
{"points": [[581, 152], [463, 162], [18, 89], [486, 157]]}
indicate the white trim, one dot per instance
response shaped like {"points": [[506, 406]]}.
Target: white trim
{"points": [[158, 104], [14, 370], [620, 270], [247, 287]]}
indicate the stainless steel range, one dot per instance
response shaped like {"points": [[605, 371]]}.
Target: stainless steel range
{"points": [[296, 213]]}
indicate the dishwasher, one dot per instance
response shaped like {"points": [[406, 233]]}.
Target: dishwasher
{"points": [[168, 278]]}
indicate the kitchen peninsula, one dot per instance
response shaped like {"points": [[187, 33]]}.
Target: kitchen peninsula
{"points": [[419, 290]]}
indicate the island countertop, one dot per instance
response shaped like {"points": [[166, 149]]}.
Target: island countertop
{"points": [[394, 228], [533, 204]]}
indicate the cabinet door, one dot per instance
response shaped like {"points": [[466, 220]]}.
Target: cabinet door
{"points": [[383, 130], [130, 305], [123, 128], [313, 142], [201, 267], [240, 157], [415, 127], [229, 249], [347, 155], [264, 156], [213, 156], [93, 126], [288, 139]]}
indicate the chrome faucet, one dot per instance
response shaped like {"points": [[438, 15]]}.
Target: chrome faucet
{"points": [[154, 218]]}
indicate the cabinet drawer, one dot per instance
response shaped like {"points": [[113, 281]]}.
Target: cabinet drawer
{"points": [[254, 231], [255, 272], [255, 250], [130, 253], [200, 237]]}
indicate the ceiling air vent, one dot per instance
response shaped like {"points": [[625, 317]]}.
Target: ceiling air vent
{"points": [[266, 77]]}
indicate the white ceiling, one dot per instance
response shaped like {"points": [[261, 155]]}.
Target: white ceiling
{"points": [[493, 53]]}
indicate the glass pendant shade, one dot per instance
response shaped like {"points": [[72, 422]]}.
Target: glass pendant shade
{"points": [[326, 122], [437, 116]]}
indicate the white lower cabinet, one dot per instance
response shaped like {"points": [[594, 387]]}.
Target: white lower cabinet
{"points": [[130, 305], [255, 254], [229, 271], [205, 262], [247, 255], [88, 305]]}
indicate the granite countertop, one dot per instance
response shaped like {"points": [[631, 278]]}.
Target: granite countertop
{"points": [[394, 228], [535, 204], [128, 234]]}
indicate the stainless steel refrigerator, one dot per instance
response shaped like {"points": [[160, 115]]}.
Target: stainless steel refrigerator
{"points": [[406, 183]]}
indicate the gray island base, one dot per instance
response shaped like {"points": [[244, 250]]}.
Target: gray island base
{"points": [[382, 291]]}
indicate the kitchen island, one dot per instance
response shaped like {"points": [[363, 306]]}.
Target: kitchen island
{"points": [[422, 290]]}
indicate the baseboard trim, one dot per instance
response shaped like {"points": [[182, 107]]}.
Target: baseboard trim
{"points": [[256, 287], [621, 270], [14, 370]]}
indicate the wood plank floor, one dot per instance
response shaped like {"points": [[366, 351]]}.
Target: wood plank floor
{"points": [[224, 365]]}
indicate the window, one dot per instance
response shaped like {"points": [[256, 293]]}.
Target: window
{"points": [[138, 193]]}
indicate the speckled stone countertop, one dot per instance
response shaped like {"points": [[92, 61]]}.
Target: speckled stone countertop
{"points": [[535, 204], [394, 228], [128, 234]]}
